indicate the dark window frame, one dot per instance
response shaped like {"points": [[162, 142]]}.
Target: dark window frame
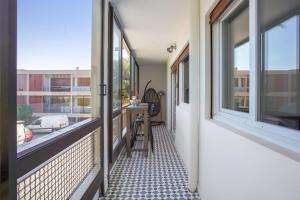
{"points": [[13, 164], [114, 153], [185, 60], [175, 68]]}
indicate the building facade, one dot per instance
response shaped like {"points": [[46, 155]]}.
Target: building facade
{"points": [[56, 92]]}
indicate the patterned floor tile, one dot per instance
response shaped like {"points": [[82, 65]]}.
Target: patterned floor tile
{"points": [[160, 176]]}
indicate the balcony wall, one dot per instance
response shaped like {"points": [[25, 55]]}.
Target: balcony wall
{"points": [[233, 167], [182, 133], [157, 74]]}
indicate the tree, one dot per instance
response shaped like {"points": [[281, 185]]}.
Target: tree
{"points": [[24, 113]]}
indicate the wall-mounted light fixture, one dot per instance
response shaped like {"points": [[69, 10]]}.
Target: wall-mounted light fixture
{"points": [[171, 48]]}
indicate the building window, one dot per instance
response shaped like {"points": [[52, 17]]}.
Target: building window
{"points": [[84, 82], [56, 104], [258, 87], [60, 84], [81, 104], [280, 77], [235, 59], [185, 80]]}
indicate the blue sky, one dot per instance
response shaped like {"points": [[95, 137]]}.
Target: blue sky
{"points": [[54, 34]]}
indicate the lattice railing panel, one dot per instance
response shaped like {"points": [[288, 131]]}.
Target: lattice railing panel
{"points": [[59, 177]]}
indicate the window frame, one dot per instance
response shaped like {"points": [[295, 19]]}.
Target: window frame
{"points": [[114, 149], [181, 80], [175, 68], [281, 139], [18, 162], [231, 10], [126, 46]]}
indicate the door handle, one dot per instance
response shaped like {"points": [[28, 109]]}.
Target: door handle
{"points": [[103, 89]]}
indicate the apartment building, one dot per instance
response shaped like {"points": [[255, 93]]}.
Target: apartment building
{"points": [[52, 92]]}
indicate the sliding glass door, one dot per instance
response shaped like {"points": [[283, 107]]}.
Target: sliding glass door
{"points": [[51, 113], [116, 84], [126, 83], [59, 109], [123, 84]]}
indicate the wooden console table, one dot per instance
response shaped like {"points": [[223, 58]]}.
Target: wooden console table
{"points": [[134, 110]]}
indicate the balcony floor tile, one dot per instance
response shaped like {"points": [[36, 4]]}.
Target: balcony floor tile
{"points": [[160, 176]]}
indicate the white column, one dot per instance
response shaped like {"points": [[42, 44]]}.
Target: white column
{"points": [[105, 103], [194, 83]]}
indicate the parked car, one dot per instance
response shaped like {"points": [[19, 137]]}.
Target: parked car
{"points": [[48, 124], [23, 133]]}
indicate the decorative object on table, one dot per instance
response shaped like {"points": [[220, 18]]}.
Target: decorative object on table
{"points": [[135, 101]]}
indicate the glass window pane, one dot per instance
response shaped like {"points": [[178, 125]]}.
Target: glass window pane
{"points": [[133, 76], [117, 41], [280, 33], [136, 89], [81, 104], [126, 83], [125, 74], [186, 80], [117, 126], [54, 66], [117, 75], [124, 123], [236, 61]]}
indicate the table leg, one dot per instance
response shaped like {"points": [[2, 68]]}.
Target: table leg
{"points": [[146, 134]]}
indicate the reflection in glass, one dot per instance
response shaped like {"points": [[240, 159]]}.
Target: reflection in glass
{"points": [[236, 61], [116, 81], [136, 76], [117, 124], [124, 122], [132, 73], [280, 64], [186, 87], [117, 41], [125, 74], [126, 84]]}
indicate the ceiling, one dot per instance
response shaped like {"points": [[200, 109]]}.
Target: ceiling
{"points": [[151, 26]]}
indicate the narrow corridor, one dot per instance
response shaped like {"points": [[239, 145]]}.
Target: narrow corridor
{"points": [[160, 176]]}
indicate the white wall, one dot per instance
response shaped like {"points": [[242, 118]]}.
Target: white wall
{"points": [[156, 73], [183, 136], [232, 167]]}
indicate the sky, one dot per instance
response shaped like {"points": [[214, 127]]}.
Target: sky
{"points": [[54, 34]]}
